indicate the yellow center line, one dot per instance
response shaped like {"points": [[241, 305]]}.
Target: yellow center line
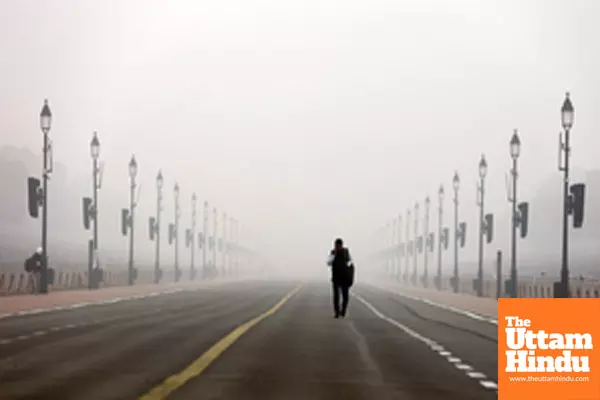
{"points": [[176, 381]]}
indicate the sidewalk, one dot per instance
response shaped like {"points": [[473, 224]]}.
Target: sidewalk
{"points": [[482, 306], [68, 298]]}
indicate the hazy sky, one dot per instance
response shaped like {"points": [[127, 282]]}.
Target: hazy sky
{"points": [[304, 119]]}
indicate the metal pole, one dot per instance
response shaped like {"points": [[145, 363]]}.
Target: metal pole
{"points": [[499, 275], [564, 271], [399, 255], [96, 210], [223, 238], [393, 252], [440, 232], [456, 283], [176, 238], [205, 238], [407, 256], [131, 227], [480, 267], [513, 261], [215, 234], [157, 256], [416, 256], [425, 247], [95, 218], [44, 272], [193, 238]]}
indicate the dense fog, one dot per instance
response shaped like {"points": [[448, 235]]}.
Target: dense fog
{"points": [[305, 121]]}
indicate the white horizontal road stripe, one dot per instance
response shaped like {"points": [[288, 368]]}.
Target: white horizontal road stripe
{"points": [[477, 375], [489, 384], [431, 343], [464, 367]]}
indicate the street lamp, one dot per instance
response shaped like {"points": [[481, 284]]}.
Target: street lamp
{"points": [[441, 236], [399, 250], [409, 245], [457, 233], [174, 231], [416, 247], [515, 151], [155, 226], [190, 237], [133, 168], [223, 244], [572, 203], [205, 237], [215, 239], [45, 124], [486, 223], [481, 203], [426, 242], [90, 206]]}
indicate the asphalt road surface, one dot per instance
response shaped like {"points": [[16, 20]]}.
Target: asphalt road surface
{"points": [[209, 344]]}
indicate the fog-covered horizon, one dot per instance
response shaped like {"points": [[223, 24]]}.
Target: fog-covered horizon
{"points": [[304, 121]]}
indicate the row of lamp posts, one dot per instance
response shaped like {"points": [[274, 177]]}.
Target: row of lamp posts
{"points": [[573, 204], [38, 198]]}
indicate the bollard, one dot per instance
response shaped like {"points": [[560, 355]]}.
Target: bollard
{"points": [[499, 275]]}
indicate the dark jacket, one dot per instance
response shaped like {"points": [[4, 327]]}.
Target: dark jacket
{"points": [[340, 263]]}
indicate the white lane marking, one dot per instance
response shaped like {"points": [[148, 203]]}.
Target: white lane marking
{"points": [[39, 333], [445, 353], [476, 375], [22, 337], [489, 385], [5, 341], [431, 343], [70, 326], [456, 310], [55, 328], [464, 367]]}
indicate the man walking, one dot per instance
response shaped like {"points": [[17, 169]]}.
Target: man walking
{"points": [[342, 276]]}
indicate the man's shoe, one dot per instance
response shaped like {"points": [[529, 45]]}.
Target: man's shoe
{"points": [[337, 315], [343, 313]]}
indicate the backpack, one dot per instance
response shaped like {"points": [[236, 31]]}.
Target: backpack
{"points": [[29, 264], [350, 269]]}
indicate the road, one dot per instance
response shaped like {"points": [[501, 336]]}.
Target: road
{"points": [[387, 347]]}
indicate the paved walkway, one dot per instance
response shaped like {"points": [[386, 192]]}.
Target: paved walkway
{"points": [[66, 298], [482, 306]]}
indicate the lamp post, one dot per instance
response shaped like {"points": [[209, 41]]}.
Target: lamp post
{"points": [[95, 153], [515, 150], [456, 187], [567, 117], [215, 238], [233, 249], [409, 247], [392, 241], [230, 247], [440, 236], [416, 252], [205, 238], [132, 203], [176, 230], [156, 227], [223, 244], [45, 124], [90, 206], [481, 203], [399, 248], [192, 237], [426, 241]]}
